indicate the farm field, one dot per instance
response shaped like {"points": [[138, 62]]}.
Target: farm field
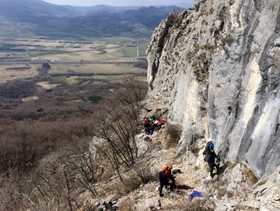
{"points": [[21, 58], [50, 91]]}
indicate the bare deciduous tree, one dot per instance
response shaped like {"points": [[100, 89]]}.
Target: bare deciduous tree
{"points": [[118, 124], [59, 177]]}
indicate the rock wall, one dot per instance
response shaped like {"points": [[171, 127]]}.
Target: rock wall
{"points": [[216, 67]]}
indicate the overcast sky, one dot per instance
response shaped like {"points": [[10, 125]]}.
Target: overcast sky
{"points": [[119, 2]]}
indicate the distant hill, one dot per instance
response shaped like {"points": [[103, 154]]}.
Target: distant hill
{"points": [[53, 20], [29, 10], [132, 22]]}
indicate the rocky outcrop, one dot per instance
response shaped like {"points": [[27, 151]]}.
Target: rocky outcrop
{"points": [[216, 67]]}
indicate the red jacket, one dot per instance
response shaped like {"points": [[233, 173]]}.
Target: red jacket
{"points": [[167, 173], [159, 122]]}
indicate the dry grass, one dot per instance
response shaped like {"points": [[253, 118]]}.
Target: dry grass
{"points": [[137, 177], [198, 204], [245, 208], [8, 75], [145, 174], [95, 68], [127, 204], [173, 136], [46, 85], [230, 165], [250, 176]]}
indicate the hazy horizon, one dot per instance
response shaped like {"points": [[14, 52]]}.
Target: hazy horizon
{"points": [[120, 2]]}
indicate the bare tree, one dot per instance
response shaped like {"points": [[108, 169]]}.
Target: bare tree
{"points": [[54, 185], [60, 177], [85, 169], [118, 124]]}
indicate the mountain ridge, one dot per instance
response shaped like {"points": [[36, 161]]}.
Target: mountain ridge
{"points": [[85, 21]]}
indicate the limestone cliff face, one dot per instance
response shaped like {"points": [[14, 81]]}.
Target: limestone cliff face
{"points": [[216, 67]]}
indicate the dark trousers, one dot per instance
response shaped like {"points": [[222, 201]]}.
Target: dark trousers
{"points": [[166, 183], [213, 165]]}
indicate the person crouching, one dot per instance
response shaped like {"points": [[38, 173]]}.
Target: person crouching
{"points": [[166, 179]]}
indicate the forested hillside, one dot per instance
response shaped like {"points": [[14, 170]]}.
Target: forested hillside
{"points": [[44, 19]]}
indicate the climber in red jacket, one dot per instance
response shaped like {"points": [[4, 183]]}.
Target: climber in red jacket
{"points": [[166, 178]]}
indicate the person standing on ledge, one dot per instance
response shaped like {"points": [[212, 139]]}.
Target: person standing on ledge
{"points": [[210, 157]]}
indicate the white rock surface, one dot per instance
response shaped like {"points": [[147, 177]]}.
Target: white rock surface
{"points": [[216, 67]]}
